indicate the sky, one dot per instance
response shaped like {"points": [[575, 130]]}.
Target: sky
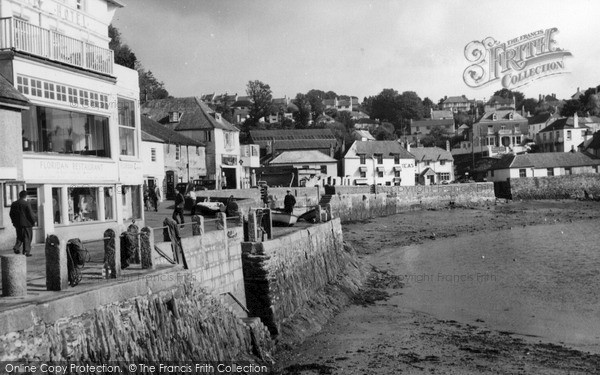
{"points": [[352, 47]]}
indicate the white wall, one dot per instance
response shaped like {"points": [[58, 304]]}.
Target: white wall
{"points": [[154, 169], [407, 173]]}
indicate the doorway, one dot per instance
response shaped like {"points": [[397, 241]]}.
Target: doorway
{"points": [[230, 178]]}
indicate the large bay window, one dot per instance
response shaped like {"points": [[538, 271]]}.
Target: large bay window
{"points": [[127, 131], [65, 132]]}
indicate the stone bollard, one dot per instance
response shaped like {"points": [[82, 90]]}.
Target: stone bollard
{"points": [[112, 254], [252, 227], [221, 221], [146, 248], [239, 221], [198, 225], [318, 214], [57, 274], [14, 275], [135, 231], [267, 223]]}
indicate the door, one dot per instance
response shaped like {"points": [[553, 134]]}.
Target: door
{"points": [[171, 180], [230, 178]]}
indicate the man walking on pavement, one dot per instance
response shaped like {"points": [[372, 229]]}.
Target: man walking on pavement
{"points": [[23, 220], [179, 204], [156, 197]]}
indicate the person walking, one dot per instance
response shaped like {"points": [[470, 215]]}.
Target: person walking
{"points": [[156, 198], [289, 202], [179, 204], [23, 219]]}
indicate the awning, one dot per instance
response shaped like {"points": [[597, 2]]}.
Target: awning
{"points": [[380, 169], [396, 168], [360, 181], [362, 169]]}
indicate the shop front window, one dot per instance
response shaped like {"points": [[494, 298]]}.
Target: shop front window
{"points": [[56, 205], [65, 132], [83, 204], [131, 202]]}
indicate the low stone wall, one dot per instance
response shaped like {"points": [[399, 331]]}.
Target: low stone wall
{"points": [[391, 200], [304, 195], [556, 187], [299, 280], [182, 323]]}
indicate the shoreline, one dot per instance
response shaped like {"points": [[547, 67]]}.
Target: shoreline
{"points": [[376, 336]]}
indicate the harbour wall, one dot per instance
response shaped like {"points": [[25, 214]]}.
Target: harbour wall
{"points": [[576, 186]]}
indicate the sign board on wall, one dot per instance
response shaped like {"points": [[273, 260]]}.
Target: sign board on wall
{"points": [[69, 170]]}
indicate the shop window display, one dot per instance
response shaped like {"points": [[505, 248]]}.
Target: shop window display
{"points": [[83, 204]]}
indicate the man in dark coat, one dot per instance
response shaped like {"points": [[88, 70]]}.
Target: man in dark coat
{"points": [[23, 220], [288, 203], [178, 211]]}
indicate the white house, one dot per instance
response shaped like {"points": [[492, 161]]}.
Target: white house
{"points": [[311, 164], [153, 164], [433, 165], [543, 165], [81, 135], [566, 134], [379, 163]]}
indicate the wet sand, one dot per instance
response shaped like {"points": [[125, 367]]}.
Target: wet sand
{"points": [[376, 336]]}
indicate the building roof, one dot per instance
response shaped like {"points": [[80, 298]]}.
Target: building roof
{"points": [[386, 148], [594, 143], [500, 101], [307, 156], [10, 95], [563, 123], [502, 115], [165, 134], [430, 154], [359, 134], [456, 99], [443, 114], [195, 115], [539, 118], [291, 134], [546, 160], [577, 94], [433, 122], [147, 137]]}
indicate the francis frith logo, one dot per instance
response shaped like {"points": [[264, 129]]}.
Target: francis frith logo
{"points": [[516, 62]]}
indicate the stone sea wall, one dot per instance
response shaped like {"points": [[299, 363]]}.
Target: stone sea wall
{"points": [[183, 323], [574, 186], [390, 200], [297, 282]]}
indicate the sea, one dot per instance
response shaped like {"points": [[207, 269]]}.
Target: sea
{"points": [[539, 282]]}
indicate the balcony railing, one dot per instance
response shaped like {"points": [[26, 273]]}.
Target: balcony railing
{"points": [[24, 37]]}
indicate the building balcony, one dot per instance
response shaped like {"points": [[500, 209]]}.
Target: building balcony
{"points": [[24, 37]]}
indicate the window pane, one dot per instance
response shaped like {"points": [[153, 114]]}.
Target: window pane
{"points": [[56, 205], [127, 141], [109, 203], [131, 203], [126, 113], [83, 204]]}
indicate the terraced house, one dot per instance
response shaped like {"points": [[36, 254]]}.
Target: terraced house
{"points": [[80, 137]]}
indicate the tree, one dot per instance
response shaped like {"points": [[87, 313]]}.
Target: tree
{"points": [[437, 137], [411, 106], [150, 87], [385, 132], [315, 99], [508, 94], [346, 118], [529, 105], [302, 117], [571, 107], [123, 54], [225, 110], [428, 105], [261, 96]]}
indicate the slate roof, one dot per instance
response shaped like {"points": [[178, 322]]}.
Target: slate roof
{"points": [[147, 137], [308, 156], [563, 123], [386, 148], [539, 118], [10, 95], [456, 99], [546, 160], [430, 153], [196, 115], [443, 114], [363, 134], [165, 134], [291, 134], [433, 122], [594, 144], [502, 114]]}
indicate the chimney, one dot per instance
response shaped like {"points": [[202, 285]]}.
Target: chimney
{"points": [[448, 145], [408, 146]]}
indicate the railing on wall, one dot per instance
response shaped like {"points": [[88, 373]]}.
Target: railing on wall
{"points": [[25, 37]]}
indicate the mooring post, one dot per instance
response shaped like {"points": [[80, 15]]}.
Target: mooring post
{"points": [[222, 221], [146, 247], [198, 225], [57, 276], [135, 233], [267, 223], [112, 254], [14, 275], [252, 226]]}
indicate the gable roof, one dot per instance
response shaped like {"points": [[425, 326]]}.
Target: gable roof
{"points": [[430, 154], [546, 160], [539, 118], [563, 123], [305, 156], [502, 115], [195, 115], [386, 148], [442, 114], [10, 95], [165, 134]]}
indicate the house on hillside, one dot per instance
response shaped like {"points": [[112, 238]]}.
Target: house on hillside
{"points": [[421, 128], [379, 163], [565, 134], [503, 129], [170, 158], [80, 137], [273, 142], [543, 165], [456, 103], [192, 118], [539, 122], [577, 94], [433, 165], [497, 103]]}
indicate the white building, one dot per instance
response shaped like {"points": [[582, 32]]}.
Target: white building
{"points": [[566, 134], [379, 163], [433, 165], [153, 162], [81, 135], [311, 164], [543, 165]]}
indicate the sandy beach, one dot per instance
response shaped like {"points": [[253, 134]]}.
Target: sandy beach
{"points": [[377, 335]]}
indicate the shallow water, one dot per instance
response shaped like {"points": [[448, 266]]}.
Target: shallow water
{"points": [[539, 281]]}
